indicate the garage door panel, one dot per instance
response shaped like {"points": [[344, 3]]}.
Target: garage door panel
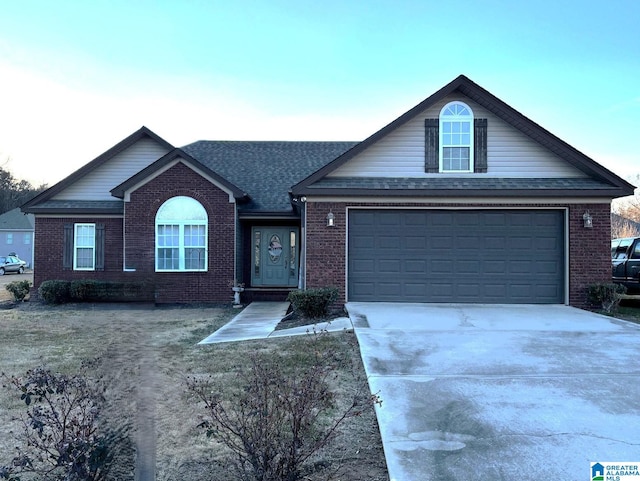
{"points": [[363, 266], [468, 267], [414, 266], [505, 256], [389, 266], [413, 242], [444, 267]]}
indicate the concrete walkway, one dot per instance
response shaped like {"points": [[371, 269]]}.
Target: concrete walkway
{"points": [[259, 320]]}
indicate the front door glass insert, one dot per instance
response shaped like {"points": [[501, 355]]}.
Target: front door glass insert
{"points": [[275, 248]]}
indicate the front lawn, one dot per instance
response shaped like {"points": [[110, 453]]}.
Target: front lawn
{"points": [[156, 348]]}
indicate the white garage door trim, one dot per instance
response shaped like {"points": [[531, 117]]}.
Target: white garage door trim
{"points": [[564, 210]]}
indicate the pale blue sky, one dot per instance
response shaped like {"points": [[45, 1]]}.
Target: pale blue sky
{"points": [[77, 76]]}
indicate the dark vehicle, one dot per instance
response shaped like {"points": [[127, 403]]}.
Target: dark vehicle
{"points": [[11, 264], [625, 262]]}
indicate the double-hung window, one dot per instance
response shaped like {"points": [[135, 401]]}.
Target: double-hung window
{"points": [[84, 247], [456, 138], [181, 235]]}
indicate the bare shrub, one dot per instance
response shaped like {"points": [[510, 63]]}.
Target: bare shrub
{"points": [[63, 437], [278, 417]]}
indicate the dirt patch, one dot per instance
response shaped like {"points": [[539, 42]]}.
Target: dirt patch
{"points": [[146, 352]]}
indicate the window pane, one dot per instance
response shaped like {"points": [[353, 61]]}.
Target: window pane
{"points": [[194, 258], [168, 235], [168, 259], [256, 253], [194, 236], [455, 158], [181, 208], [292, 253], [85, 236], [84, 258]]}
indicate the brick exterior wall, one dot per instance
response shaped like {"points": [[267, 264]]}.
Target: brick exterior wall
{"points": [[139, 242], [49, 245], [589, 249]]}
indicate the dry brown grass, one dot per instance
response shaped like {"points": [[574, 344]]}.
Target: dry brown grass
{"points": [[146, 352]]}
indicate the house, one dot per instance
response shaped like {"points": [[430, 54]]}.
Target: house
{"points": [[16, 235], [460, 199]]}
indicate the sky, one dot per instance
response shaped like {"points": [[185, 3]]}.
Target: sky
{"points": [[77, 77]]}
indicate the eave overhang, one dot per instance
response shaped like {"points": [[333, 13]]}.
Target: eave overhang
{"points": [[431, 193], [78, 208]]}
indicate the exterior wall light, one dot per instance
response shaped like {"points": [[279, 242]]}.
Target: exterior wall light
{"points": [[588, 220], [331, 220]]}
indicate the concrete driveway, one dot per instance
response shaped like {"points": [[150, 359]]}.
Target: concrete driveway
{"points": [[519, 392]]}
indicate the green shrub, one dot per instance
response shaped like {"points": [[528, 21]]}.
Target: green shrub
{"points": [[18, 289], [84, 290], [605, 295], [54, 291], [313, 302], [90, 290]]}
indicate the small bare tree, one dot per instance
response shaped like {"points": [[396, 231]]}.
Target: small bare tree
{"points": [[63, 437], [278, 419], [627, 224]]}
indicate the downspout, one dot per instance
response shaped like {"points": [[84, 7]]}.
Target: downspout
{"points": [[235, 243], [302, 273], [124, 239]]}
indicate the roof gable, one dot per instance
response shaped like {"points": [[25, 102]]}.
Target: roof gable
{"points": [[51, 192], [464, 86], [166, 162]]}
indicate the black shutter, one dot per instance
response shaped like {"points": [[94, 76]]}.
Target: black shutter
{"points": [[431, 145], [99, 247], [480, 145], [67, 247]]}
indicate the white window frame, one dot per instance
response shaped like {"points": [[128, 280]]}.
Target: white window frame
{"points": [[447, 116], [179, 219], [9, 238], [80, 241]]}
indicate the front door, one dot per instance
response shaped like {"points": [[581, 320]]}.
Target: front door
{"points": [[275, 257]]}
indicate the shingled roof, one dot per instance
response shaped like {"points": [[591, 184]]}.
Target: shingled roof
{"points": [[266, 170], [16, 220]]}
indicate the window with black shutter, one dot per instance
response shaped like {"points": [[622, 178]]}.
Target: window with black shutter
{"points": [[456, 142]]}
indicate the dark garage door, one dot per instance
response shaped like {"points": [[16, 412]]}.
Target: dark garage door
{"points": [[484, 256]]}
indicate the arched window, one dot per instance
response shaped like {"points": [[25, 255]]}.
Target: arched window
{"points": [[181, 235], [456, 138]]}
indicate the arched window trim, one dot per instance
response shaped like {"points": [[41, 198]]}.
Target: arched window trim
{"points": [[181, 238], [459, 113]]}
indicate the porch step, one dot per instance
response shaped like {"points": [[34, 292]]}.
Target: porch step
{"points": [[271, 294]]}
